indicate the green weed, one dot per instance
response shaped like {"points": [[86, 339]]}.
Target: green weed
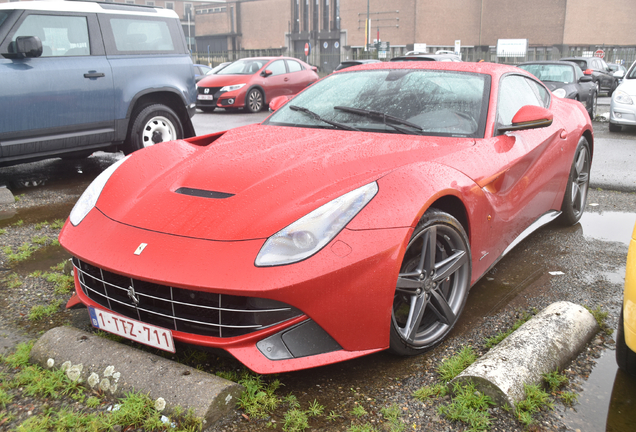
{"points": [[536, 399], [3, 231], [554, 380], [315, 409], [21, 355], [427, 392], [392, 415], [453, 366], [18, 223], [40, 225], [600, 316], [292, 401], [57, 224], [5, 398], [569, 398], [295, 420], [361, 428], [23, 252], [469, 406], [38, 312], [63, 284], [13, 281], [492, 341], [40, 240], [359, 411], [332, 416], [258, 400]]}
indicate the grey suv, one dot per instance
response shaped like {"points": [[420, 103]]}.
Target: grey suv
{"points": [[77, 77]]}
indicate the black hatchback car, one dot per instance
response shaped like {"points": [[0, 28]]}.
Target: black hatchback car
{"points": [[601, 73], [566, 80]]}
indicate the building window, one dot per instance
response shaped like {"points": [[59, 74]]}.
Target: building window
{"points": [[130, 1], [150, 3], [325, 15], [315, 23], [336, 15], [296, 28], [187, 10], [170, 5], [306, 16]]}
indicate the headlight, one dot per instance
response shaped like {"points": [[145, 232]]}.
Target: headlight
{"points": [[559, 93], [232, 87], [89, 198], [623, 98], [313, 231]]}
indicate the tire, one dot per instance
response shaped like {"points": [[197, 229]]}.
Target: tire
{"points": [[208, 109], [152, 125], [625, 357], [254, 101], [612, 88], [575, 197], [431, 290], [613, 127], [594, 105]]}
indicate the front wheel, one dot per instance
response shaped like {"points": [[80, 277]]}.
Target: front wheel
{"points": [[152, 125], [592, 104], [575, 197], [432, 285], [254, 101], [613, 127]]}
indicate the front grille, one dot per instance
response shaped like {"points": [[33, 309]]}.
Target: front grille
{"points": [[212, 90], [189, 311]]}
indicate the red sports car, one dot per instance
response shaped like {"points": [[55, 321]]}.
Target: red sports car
{"points": [[251, 83], [353, 220]]}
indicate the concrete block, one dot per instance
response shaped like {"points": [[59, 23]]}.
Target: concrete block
{"points": [[6, 197], [546, 342], [118, 369]]}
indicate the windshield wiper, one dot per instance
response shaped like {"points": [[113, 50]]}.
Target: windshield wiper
{"points": [[317, 117], [387, 119]]}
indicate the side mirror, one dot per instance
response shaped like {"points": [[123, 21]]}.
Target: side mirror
{"points": [[314, 68], [266, 73], [278, 102], [24, 46], [588, 71], [529, 117], [586, 78]]}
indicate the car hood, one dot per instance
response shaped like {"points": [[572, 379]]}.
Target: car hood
{"points": [[258, 179], [216, 80], [628, 86]]}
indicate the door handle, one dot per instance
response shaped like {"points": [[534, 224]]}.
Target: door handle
{"points": [[93, 74], [286, 79]]}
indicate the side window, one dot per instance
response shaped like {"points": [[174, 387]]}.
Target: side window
{"points": [[60, 35], [135, 35], [294, 66], [277, 67], [514, 92], [541, 92]]}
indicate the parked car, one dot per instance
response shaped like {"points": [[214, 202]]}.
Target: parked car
{"points": [[428, 57], [213, 70], [251, 83], [626, 334], [623, 102], [349, 63], [600, 72], [566, 80], [82, 76], [354, 219], [200, 70]]}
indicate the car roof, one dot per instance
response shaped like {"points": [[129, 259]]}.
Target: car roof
{"points": [[551, 62], [90, 7], [494, 69], [577, 58]]}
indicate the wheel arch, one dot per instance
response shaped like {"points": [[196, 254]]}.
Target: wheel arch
{"points": [[165, 97], [455, 207], [259, 88], [589, 136]]}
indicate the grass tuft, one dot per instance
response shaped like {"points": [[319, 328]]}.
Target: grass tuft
{"points": [[453, 366], [600, 316]]}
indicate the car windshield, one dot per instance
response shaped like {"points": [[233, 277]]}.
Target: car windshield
{"points": [[632, 72], [420, 102], [582, 63], [551, 72], [243, 67]]}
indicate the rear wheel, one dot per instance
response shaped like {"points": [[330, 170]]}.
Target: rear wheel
{"points": [[575, 197], [625, 357], [152, 125], [432, 285]]}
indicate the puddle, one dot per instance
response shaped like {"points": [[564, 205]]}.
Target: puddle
{"points": [[608, 226], [42, 259], [35, 215], [607, 401]]}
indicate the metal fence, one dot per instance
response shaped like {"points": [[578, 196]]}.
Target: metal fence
{"points": [[327, 62]]}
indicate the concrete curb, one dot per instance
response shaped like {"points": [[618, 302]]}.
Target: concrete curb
{"points": [[6, 197], [547, 342], [118, 369]]}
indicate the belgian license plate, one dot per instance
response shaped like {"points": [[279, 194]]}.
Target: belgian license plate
{"points": [[205, 97], [128, 328]]}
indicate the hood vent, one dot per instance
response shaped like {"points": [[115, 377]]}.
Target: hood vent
{"points": [[203, 193]]}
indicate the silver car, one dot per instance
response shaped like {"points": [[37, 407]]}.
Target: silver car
{"points": [[623, 104]]}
